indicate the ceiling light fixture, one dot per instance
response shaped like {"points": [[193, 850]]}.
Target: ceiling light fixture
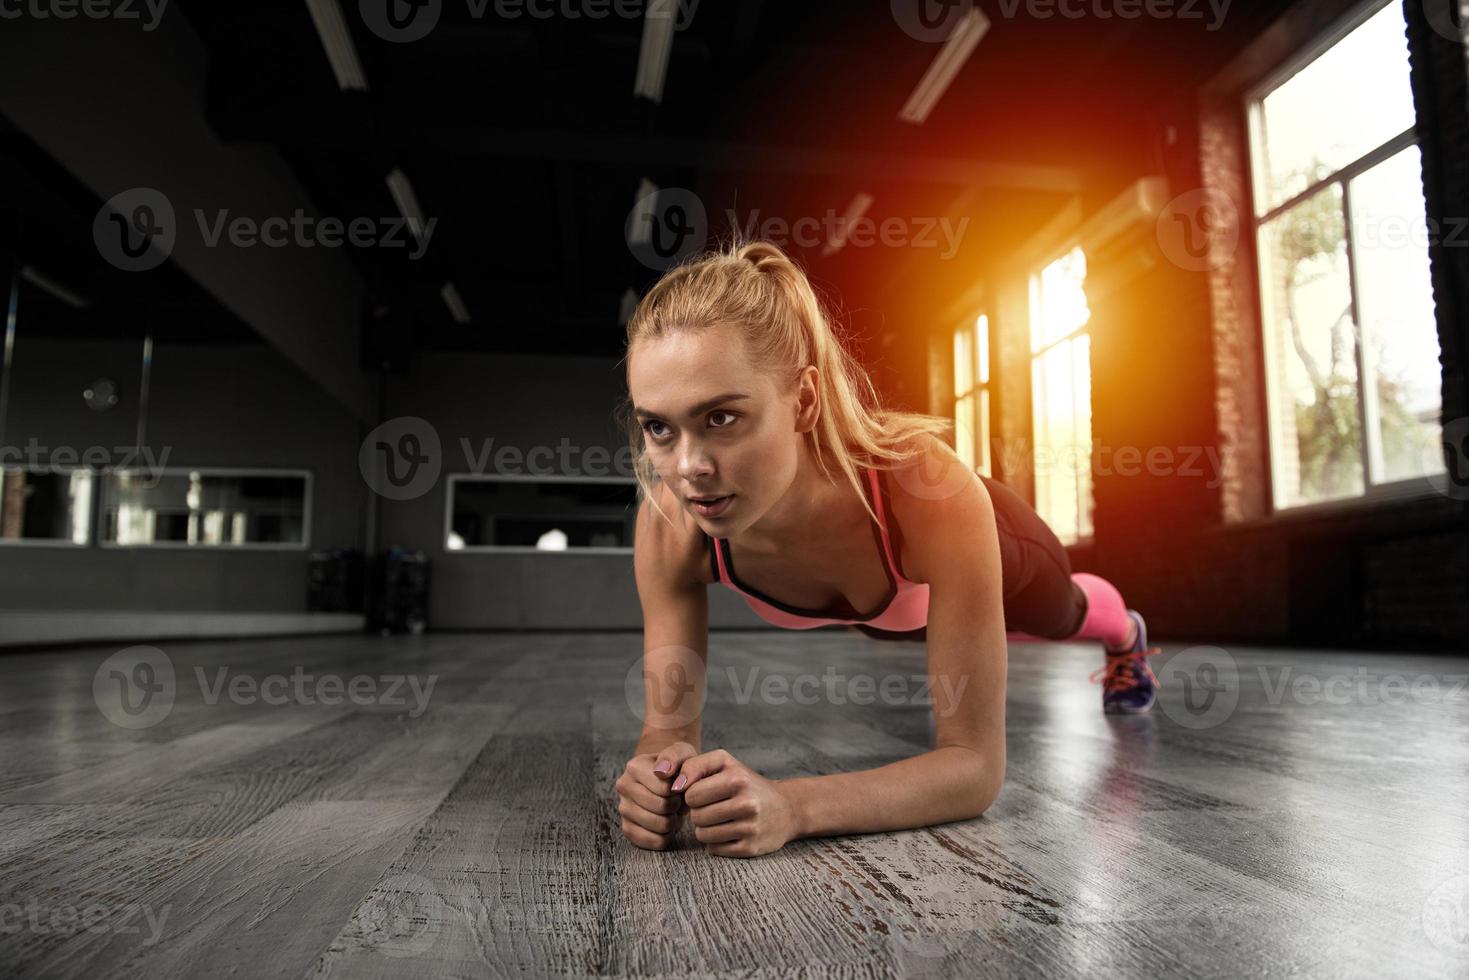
{"points": [[407, 201], [455, 303], [30, 274], [340, 51], [646, 202], [946, 64], [654, 53], [855, 210], [629, 307]]}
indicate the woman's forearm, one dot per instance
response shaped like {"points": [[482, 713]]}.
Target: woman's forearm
{"points": [[947, 783], [657, 739]]}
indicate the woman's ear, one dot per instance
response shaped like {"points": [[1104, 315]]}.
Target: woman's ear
{"points": [[808, 398]]}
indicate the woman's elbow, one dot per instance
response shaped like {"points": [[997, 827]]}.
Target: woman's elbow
{"points": [[987, 787]]}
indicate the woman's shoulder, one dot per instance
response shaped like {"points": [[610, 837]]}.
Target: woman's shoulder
{"points": [[932, 470], [924, 494]]}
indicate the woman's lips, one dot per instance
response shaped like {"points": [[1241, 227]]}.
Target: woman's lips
{"points": [[719, 506]]}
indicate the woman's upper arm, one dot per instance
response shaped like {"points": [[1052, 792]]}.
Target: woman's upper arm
{"points": [[955, 543], [675, 606]]}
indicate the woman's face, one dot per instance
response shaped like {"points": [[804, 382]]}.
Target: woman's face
{"points": [[713, 425]]}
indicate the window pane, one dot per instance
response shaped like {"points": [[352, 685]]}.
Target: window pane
{"points": [[45, 505], [1081, 373], [1061, 397], [963, 361], [1063, 447], [1041, 379], [1310, 352], [982, 449], [1060, 300], [964, 429], [1395, 297], [1352, 99], [982, 346]]}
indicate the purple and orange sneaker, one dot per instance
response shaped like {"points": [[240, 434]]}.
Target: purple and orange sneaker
{"points": [[1129, 685]]}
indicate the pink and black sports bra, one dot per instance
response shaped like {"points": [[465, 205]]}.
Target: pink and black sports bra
{"points": [[904, 609]]}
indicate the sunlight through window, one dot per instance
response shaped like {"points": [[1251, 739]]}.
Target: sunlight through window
{"points": [[1061, 399]]}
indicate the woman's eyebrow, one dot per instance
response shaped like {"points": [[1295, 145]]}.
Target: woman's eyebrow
{"points": [[702, 407]]}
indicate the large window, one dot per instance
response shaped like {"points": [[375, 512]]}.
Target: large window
{"points": [[1061, 396], [1351, 347], [972, 394]]}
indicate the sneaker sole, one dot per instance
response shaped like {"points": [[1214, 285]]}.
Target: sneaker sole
{"points": [[1122, 709]]}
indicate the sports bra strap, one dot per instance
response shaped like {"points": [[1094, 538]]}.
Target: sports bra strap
{"points": [[876, 483], [882, 523]]}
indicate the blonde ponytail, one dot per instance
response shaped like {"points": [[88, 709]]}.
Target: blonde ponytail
{"points": [[757, 287]]}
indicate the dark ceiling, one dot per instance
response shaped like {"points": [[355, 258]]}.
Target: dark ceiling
{"points": [[46, 220], [523, 137]]}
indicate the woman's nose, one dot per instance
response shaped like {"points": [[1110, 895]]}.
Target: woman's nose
{"points": [[693, 462]]}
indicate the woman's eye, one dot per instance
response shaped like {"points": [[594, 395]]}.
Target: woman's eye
{"points": [[648, 426]]}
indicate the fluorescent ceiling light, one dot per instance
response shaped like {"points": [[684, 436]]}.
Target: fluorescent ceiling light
{"points": [[855, 210], [455, 303], [407, 201], [646, 201], [654, 53], [35, 278], [946, 64], [340, 50]]}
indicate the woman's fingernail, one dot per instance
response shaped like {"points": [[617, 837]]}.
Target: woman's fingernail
{"points": [[663, 768], [680, 781]]}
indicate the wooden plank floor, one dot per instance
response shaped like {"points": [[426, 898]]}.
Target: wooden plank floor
{"points": [[469, 828]]}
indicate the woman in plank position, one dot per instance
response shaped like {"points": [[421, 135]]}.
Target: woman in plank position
{"points": [[766, 465]]}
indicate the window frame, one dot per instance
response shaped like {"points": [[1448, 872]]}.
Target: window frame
{"points": [[982, 432], [1251, 104]]}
